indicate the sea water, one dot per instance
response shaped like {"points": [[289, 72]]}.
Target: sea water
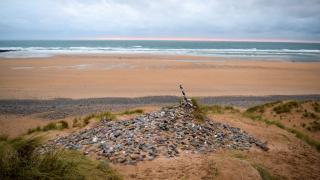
{"points": [[240, 50]]}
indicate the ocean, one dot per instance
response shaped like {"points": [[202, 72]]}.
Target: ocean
{"points": [[241, 50]]}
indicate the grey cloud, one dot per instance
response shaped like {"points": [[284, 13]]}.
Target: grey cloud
{"points": [[286, 19]]}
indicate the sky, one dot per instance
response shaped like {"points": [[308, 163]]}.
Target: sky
{"points": [[297, 20]]}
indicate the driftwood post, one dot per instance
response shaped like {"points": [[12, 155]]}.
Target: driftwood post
{"points": [[187, 102]]}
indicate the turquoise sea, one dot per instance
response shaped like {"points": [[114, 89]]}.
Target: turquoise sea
{"points": [[241, 50]]}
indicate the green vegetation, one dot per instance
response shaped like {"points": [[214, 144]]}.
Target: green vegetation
{"points": [[316, 107], [256, 109], [86, 119], [82, 122], [60, 125], [216, 109], [77, 122], [314, 126], [19, 159], [37, 129], [261, 108], [305, 138], [263, 171], [310, 115], [198, 112], [286, 107], [129, 112], [279, 109], [201, 111], [238, 154], [57, 125], [106, 116], [257, 117]]}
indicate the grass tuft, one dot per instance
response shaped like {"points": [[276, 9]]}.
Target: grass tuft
{"points": [[198, 113], [60, 125], [86, 119], [305, 138], [310, 115], [263, 171], [19, 159], [316, 107], [298, 134], [286, 107], [261, 108], [37, 129], [82, 122], [129, 112], [216, 109], [76, 122], [106, 116], [315, 126]]}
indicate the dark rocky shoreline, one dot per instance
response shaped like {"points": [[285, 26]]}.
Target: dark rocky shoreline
{"points": [[62, 108]]}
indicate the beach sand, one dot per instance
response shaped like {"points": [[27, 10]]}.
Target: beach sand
{"points": [[135, 75]]}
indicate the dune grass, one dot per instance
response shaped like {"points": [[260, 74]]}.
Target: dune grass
{"points": [[129, 112], [310, 115], [198, 113], [258, 117], [82, 122], [60, 125], [201, 111], [216, 109], [109, 116], [286, 107], [316, 107], [264, 172], [261, 108], [19, 159]]}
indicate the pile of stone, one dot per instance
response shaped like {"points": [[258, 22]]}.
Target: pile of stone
{"points": [[167, 132]]}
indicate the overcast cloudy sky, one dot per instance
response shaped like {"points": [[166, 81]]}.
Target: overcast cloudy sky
{"points": [[91, 19]]}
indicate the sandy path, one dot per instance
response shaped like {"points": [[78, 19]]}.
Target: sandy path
{"points": [[146, 75]]}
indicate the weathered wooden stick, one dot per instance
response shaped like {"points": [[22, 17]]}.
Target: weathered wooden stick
{"points": [[184, 94], [187, 102]]}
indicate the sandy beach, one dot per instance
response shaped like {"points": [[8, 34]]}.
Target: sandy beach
{"points": [[133, 75]]}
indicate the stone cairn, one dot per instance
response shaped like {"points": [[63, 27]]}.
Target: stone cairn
{"points": [[168, 132]]}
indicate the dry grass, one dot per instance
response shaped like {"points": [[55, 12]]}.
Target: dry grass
{"points": [[255, 114], [286, 107], [60, 125], [264, 172], [19, 159], [129, 112], [82, 122]]}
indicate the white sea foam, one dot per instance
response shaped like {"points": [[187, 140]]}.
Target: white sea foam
{"points": [[20, 52]]}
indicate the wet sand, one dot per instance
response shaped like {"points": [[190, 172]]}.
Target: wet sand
{"points": [[121, 75]]}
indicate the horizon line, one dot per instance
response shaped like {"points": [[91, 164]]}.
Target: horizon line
{"points": [[204, 39], [191, 39]]}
